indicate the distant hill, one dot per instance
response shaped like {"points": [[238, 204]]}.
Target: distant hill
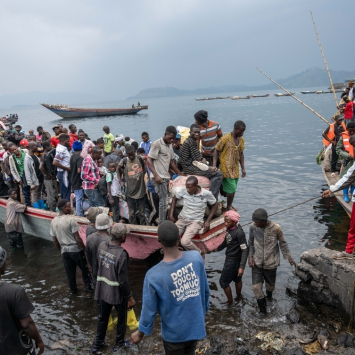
{"points": [[308, 78], [28, 99]]}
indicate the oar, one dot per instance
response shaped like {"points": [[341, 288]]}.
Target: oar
{"points": [[309, 108], [325, 62]]}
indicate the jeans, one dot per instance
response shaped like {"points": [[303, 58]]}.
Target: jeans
{"points": [[136, 205], [36, 194], [15, 240], [70, 261], [162, 191], [258, 276], [79, 197], [52, 194], [154, 199], [64, 190], [102, 322], [184, 348], [26, 192], [216, 179], [116, 209], [95, 198]]}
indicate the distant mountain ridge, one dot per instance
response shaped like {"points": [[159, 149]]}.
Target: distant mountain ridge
{"points": [[308, 78]]}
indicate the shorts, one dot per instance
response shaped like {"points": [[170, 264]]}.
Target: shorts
{"points": [[230, 185], [259, 275], [230, 272]]}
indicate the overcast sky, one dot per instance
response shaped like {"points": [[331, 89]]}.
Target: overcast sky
{"points": [[116, 48]]}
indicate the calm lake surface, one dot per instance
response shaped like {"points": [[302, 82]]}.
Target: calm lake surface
{"points": [[282, 140]]}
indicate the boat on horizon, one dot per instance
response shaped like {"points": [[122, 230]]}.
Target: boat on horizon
{"points": [[307, 92], [65, 111], [323, 92], [240, 98], [267, 95], [279, 94]]}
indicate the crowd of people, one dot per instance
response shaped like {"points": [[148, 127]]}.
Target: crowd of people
{"points": [[115, 183]]}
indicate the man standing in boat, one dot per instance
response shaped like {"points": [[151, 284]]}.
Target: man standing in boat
{"points": [[347, 180], [160, 157]]}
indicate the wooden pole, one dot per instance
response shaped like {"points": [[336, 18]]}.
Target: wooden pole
{"points": [[325, 62], [309, 108]]}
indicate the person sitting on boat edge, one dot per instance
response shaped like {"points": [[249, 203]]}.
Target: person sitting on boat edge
{"points": [[190, 219], [265, 241], [13, 223], [345, 151], [236, 255], [331, 135], [190, 156], [347, 180]]}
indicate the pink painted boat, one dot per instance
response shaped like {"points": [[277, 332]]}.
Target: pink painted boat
{"points": [[141, 242]]}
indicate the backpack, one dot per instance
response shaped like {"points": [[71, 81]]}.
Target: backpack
{"points": [[48, 164], [102, 185]]}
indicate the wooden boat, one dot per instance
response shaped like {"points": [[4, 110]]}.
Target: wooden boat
{"points": [[65, 111], [307, 92], [324, 92], [8, 121], [339, 195], [240, 98], [278, 95], [267, 95]]}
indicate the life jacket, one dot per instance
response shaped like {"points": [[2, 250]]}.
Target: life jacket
{"points": [[346, 143], [331, 133]]}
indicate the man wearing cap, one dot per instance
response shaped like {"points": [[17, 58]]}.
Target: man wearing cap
{"points": [[23, 144], [19, 135], [102, 223], [121, 143], [75, 176], [17, 328], [55, 138], [265, 241], [112, 286], [210, 134]]}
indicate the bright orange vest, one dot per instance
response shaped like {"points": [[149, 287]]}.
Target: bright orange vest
{"points": [[346, 143], [331, 133]]}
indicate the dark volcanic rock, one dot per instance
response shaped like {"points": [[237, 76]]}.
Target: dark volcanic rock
{"points": [[346, 340], [294, 351], [215, 340], [241, 350], [324, 332], [293, 316]]}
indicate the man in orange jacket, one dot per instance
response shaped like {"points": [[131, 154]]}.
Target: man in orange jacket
{"points": [[331, 136]]}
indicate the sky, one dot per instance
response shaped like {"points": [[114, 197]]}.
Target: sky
{"points": [[115, 49]]}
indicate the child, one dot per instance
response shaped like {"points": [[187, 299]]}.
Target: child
{"points": [[114, 190], [102, 168], [13, 224], [236, 255]]}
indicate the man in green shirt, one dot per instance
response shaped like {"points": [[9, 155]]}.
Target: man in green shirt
{"points": [[108, 140]]}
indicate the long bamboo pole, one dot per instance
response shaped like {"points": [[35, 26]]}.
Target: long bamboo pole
{"points": [[325, 62], [309, 108]]}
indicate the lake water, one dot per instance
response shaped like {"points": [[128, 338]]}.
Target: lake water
{"points": [[282, 139]]}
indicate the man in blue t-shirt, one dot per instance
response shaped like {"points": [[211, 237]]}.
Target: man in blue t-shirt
{"points": [[178, 288]]}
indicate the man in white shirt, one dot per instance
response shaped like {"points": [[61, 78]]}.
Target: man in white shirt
{"points": [[190, 219]]}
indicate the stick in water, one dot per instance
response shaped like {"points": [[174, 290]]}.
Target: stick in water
{"points": [[325, 62], [309, 108]]}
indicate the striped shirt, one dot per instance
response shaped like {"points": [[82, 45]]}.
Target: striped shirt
{"points": [[209, 137], [188, 153]]}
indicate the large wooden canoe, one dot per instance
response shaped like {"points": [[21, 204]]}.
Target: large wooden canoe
{"points": [[339, 195], [141, 242], [65, 111]]}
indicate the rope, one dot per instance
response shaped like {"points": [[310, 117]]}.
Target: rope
{"points": [[288, 208]]}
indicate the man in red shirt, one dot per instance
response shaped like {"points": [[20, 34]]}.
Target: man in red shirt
{"points": [[55, 138], [72, 134], [348, 110]]}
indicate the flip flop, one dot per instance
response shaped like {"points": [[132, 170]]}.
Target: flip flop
{"points": [[342, 255]]}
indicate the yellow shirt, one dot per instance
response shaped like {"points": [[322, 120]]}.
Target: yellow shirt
{"points": [[230, 155]]}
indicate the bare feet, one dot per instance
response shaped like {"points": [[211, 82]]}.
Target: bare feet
{"points": [[239, 297], [227, 302], [232, 208]]}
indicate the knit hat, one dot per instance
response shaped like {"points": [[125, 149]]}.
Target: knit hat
{"points": [[201, 116], [103, 221], [338, 117], [259, 215], [24, 142], [3, 256], [232, 215], [119, 229], [77, 145], [93, 212]]}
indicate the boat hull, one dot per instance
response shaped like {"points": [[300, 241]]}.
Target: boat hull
{"points": [[68, 112], [141, 242]]}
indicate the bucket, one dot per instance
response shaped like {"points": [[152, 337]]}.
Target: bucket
{"points": [[41, 204], [36, 205]]}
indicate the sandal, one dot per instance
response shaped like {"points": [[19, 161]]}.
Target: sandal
{"points": [[343, 255]]}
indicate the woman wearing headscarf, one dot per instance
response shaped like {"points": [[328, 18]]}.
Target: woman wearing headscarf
{"points": [[236, 255]]}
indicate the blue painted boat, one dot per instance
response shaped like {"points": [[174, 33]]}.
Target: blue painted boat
{"points": [[65, 111], [307, 92]]}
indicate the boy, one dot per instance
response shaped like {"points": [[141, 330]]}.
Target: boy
{"points": [[13, 224], [236, 255], [113, 189], [75, 166], [108, 140], [146, 142]]}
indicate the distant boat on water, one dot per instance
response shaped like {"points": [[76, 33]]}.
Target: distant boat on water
{"points": [[240, 98], [267, 95], [65, 111], [307, 92], [278, 95], [323, 92]]}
